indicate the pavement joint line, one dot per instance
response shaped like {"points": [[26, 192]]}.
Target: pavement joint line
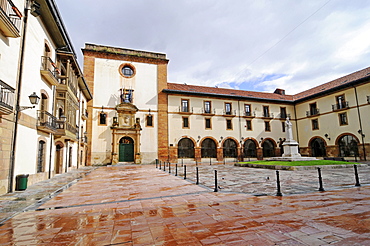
{"points": [[119, 201], [45, 199]]}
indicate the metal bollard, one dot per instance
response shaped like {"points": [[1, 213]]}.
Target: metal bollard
{"points": [[321, 188], [216, 187], [184, 171], [210, 160], [164, 166], [160, 166], [169, 167], [356, 176], [278, 193], [197, 175]]}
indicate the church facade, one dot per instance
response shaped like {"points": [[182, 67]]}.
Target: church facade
{"points": [[138, 116]]}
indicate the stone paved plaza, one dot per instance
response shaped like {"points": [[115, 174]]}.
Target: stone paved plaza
{"points": [[142, 205]]}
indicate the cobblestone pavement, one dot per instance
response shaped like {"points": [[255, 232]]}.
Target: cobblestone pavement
{"points": [[37, 194], [142, 205], [261, 182]]}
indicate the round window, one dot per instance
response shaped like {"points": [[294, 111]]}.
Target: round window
{"points": [[127, 70]]}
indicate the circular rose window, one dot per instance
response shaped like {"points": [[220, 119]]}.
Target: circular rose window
{"points": [[127, 70]]}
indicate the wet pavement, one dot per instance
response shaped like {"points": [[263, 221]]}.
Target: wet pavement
{"points": [[142, 205]]}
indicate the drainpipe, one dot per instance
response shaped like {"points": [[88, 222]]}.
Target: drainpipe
{"points": [[17, 106], [359, 120], [51, 135], [79, 129], [240, 132]]}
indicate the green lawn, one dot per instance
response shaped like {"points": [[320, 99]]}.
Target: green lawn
{"points": [[300, 163]]}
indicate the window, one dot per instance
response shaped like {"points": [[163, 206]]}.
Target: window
{"points": [[313, 110], [266, 111], [41, 157], [247, 110], [267, 126], [341, 102], [315, 124], [348, 146], [208, 148], [184, 105], [127, 70], [229, 125], [343, 119], [102, 118], [283, 126], [207, 107], [185, 122], [149, 120], [248, 125], [230, 148], [283, 114], [228, 108], [208, 123], [127, 95], [185, 148]]}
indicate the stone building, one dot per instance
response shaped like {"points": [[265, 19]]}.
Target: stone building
{"points": [[38, 60], [137, 116]]}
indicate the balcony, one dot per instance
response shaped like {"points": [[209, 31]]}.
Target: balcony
{"points": [[229, 113], [208, 111], [85, 114], [49, 70], [10, 19], [268, 115], [6, 98], [185, 110], [249, 114], [46, 122], [64, 129], [283, 116], [340, 106], [312, 112]]}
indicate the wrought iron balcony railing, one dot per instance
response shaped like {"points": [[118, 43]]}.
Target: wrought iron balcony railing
{"points": [[340, 106], [312, 112], [46, 121], [6, 98], [268, 115], [10, 19], [49, 70]]}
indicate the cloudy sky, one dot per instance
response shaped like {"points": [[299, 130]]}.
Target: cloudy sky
{"points": [[256, 45]]}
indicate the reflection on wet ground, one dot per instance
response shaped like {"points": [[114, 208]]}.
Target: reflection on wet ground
{"points": [[141, 205]]}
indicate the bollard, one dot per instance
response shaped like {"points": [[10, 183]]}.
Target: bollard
{"points": [[176, 170], [196, 163], [224, 161], [184, 171], [164, 166], [216, 187], [321, 188], [169, 167], [156, 163], [278, 193], [356, 176], [210, 160], [160, 167], [197, 175]]}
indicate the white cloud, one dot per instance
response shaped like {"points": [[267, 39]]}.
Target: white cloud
{"points": [[233, 43]]}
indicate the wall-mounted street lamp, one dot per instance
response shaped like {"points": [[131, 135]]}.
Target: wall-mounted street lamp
{"points": [[261, 140], [34, 99], [198, 139], [327, 136], [63, 118], [221, 139], [361, 133]]}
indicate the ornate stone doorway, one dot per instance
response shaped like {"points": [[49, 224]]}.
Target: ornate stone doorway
{"points": [[126, 150]]}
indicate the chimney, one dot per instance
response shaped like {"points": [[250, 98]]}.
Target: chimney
{"points": [[279, 91]]}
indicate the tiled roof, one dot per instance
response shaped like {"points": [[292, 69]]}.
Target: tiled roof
{"points": [[194, 89], [343, 81], [222, 92]]}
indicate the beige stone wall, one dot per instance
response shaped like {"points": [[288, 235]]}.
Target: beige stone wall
{"points": [[6, 132]]}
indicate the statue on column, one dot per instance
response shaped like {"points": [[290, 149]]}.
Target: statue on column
{"points": [[288, 129]]}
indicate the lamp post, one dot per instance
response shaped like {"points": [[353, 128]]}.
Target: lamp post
{"points": [[34, 99]]}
